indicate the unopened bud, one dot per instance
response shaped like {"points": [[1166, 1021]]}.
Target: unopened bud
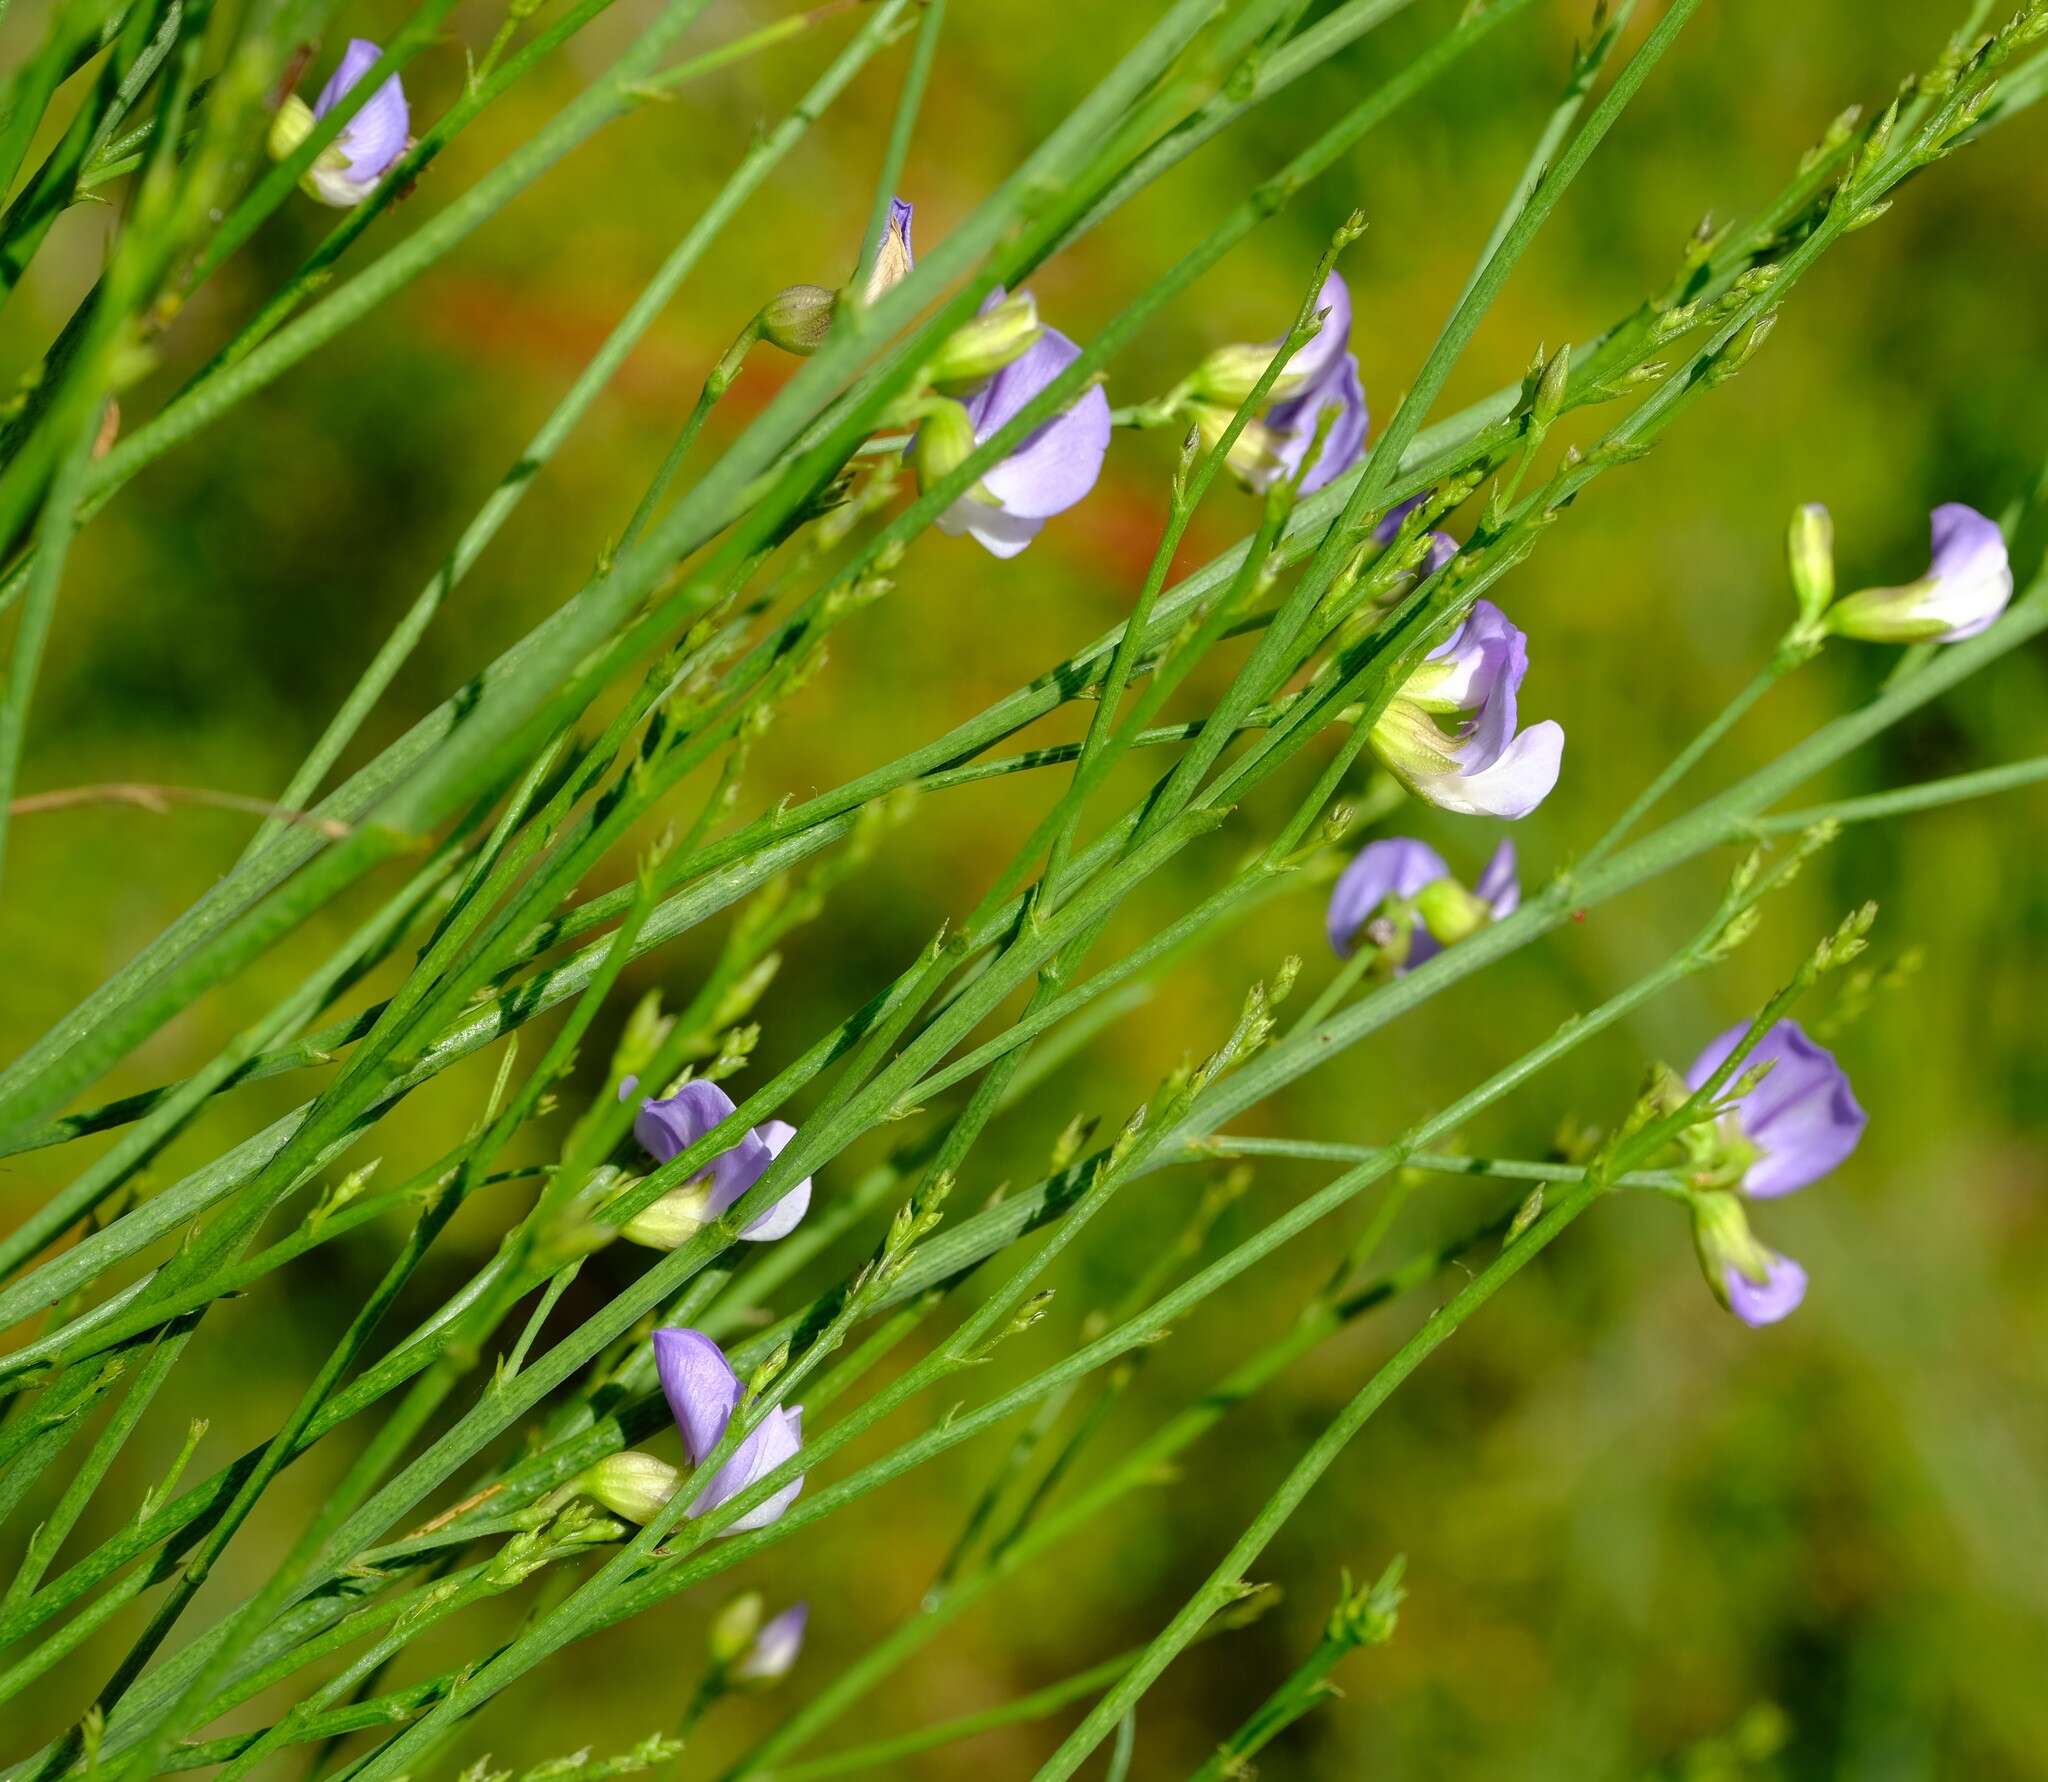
{"points": [[944, 442], [1551, 387], [1810, 553], [670, 1222], [1230, 374], [893, 259], [1254, 457], [733, 1628], [631, 1484], [977, 351], [1450, 912], [797, 318], [292, 125]]}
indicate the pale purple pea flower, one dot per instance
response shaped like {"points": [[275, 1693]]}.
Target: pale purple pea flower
{"points": [[1395, 867], [1967, 585], [1323, 375], [1477, 762], [702, 1391], [668, 1127], [1054, 466], [350, 166], [1401, 868], [1442, 546], [776, 1647], [1801, 1121]]}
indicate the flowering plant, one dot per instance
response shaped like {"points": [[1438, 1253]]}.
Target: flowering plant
{"points": [[827, 1285]]}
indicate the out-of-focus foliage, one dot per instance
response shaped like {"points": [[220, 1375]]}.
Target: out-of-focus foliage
{"points": [[1641, 1540]]}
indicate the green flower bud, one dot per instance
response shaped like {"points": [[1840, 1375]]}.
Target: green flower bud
{"points": [[1810, 552], [734, 1627], [1230, 374], [1450, 912], [797, 318], [1254, 457], [630, 1484], [671, 1221], [944, 442], [893, 260], [1551, 387], [980, 349], [292, 125]]}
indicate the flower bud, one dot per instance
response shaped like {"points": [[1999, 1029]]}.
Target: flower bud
{"points": [[292, 125], [1255, 458], [1450, 912], [1230, 374], [893, 259], [978, 350], [674, 1219], [631, 1484], [797, 318], [734, 1627], [1810, 551], [944, 442], [1552, 385]]}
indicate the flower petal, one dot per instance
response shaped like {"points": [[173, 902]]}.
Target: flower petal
{"points": [[1776, 1296], [667, 1128], [998, 533], [700, 1387], [1971, 569], [774, 1440], [375, 137], [1329, 346], [1498, 887], [788, 1211], [1395, 867], [1293, 423], [1521, 777]]}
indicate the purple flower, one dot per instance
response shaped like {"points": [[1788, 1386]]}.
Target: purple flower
{"points": [[348, 169], [1054, 466], [668, 1127], [1442, 546], [1966, 587], [775, 1648], [702, 1391], [1776, 1296], [1799, 1122], [1449, 735], [1400, 868]]}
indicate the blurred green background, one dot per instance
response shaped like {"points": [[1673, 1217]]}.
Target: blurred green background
{"points": [[1638, 1535]]}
